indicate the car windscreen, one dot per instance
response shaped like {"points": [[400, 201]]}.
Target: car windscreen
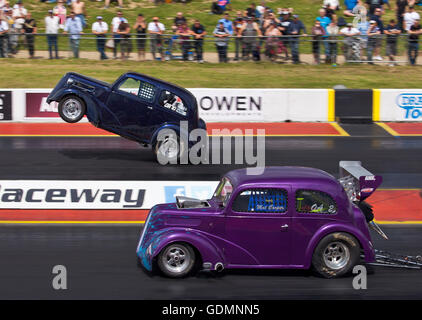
{"points": [[224, 190]]}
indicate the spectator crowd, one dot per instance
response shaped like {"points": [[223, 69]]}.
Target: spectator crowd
{"points": [[254, 31]]}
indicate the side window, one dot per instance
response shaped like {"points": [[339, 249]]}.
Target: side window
{"points": [[172, 102], [141, 89], [261, 201], [130, 85], [312, 201]]}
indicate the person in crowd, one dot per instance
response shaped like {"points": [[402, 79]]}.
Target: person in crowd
{"points": [[252, 12], [2, 3], [374, 4], [184, 34], [198, 32], [178, 20], [73, 27], [414, 32], [363, 26], [332, 4], [29, 28], [4, 29], [155, 30], [410, 17], [272, 43], [19, 15], [249, 33], [349, 4], [228, 24], [351, 43], [377, 17], [296, 27], [60, 11], [392, 31], [115, 23], [100, 29], [373, 33], [270, 19], [52, 29], [123, 30], [332, 32], [141, 32], [107, 4], [237, 25], [400, 11], [222, 38], [317, 33], [78, 7], [218, 7], [261, 8], [324, 22], [284, 28], [12, 41]]}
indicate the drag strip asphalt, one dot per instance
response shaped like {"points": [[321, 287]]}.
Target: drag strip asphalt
{"points": [[398, 160], [101, 264]]}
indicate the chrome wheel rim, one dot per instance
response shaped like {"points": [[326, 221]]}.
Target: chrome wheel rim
{"points": [[336, 255], [176, 259], [72, 109], [169, 148]]}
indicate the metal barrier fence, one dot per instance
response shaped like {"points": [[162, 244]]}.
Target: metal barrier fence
{"points": [[358, 49]]}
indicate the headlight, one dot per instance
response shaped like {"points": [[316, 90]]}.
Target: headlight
{"points": [[69, 81], [149, 249]]}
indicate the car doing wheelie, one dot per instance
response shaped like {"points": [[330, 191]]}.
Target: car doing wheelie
{"points": [[287, 217], [136, 106]]}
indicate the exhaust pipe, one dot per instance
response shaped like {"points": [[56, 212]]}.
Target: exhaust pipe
{"points": [[219, 267]]}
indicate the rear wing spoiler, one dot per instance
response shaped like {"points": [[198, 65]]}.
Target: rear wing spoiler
{"points": [[358, 182]]}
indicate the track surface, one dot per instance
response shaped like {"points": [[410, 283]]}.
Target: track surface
{"points": [[101, 259], [100, 262], [397, 159]]}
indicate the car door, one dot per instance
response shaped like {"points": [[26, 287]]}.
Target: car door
{"points": [[313, 209], [129, 107], [258, 222]]}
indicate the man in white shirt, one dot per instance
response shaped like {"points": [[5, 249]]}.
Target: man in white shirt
{"points": [[100, 28], [114, 28], [156, 29], [4, 28], [410, 17], [351, 42], [52, 29], [19, 14]]}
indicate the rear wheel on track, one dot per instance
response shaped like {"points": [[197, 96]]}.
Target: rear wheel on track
{"points": [[72, 108], [336, 255]]}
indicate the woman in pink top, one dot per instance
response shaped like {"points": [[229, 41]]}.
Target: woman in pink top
{"points": [[60, 11]]}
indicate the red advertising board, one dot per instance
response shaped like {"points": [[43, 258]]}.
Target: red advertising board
{"points": [[37, 106]]}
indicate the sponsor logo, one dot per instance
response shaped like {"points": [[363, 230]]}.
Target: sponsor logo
{"points": [[412, 104], [5, 105], [194, 191], [242, 106], [128, 198], [369, 178], [172, 191], [367, 190], [37, 106]]}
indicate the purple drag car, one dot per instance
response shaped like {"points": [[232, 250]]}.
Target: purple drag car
{"points": [[286, 218]]}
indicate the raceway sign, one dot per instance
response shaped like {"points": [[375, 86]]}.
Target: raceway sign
{"points": [[51, 194], [412, 104]]}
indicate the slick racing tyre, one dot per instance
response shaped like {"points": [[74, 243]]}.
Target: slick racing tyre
{"points": [[72, 109], [177, 260], [336, 255], [168, 147]]}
